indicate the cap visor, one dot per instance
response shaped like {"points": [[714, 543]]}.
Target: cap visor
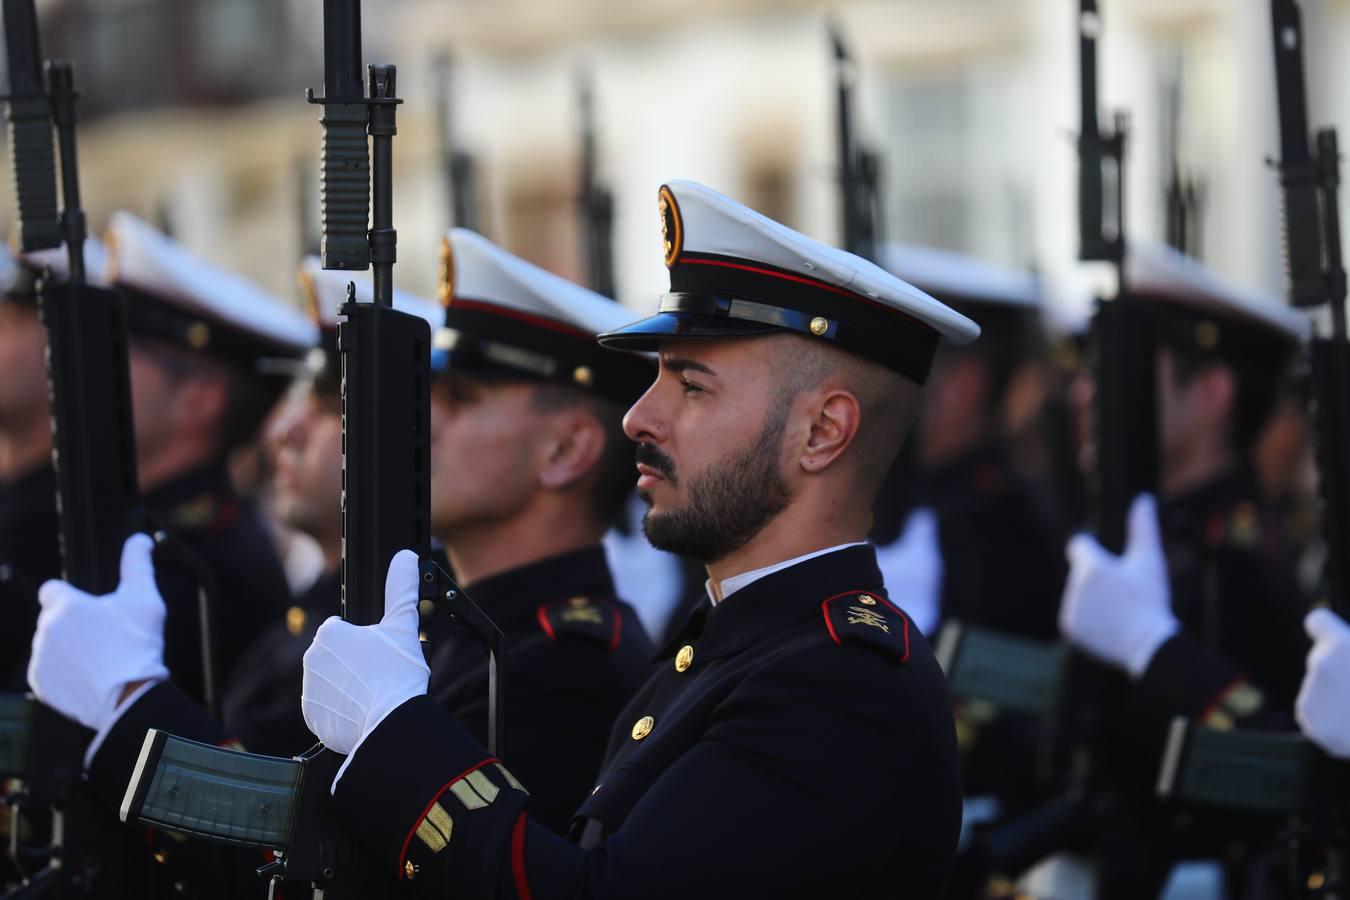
{"points": [[645, 336]]}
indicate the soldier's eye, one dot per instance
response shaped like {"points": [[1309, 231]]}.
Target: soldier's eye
{"points": [[689, 387]]}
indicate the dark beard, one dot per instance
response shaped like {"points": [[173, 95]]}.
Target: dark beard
{"points": [[730, 503]]}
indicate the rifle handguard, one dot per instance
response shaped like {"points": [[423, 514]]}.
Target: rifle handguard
{"points": [[33, 163], [344, 187], [1302, 241]]}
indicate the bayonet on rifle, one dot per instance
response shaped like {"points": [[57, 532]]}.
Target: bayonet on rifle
{"points": [[859, 168], [596, 202]]}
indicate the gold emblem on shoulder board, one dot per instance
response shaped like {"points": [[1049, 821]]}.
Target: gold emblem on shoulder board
{"points": [[859, 615]]}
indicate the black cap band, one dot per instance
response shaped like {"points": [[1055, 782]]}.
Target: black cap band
{"points": [[484, 337], [712, 287]]}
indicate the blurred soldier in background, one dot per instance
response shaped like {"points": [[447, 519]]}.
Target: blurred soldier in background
{"points": [[29, 543], [529, 468], [965, 474], [262, 698], [993, 534], [1202, 611], [207, 352]]}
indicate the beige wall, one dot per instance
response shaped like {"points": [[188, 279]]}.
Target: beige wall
{"points": [[740, 95]]}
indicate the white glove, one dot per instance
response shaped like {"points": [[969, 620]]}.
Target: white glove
{"points": [[355, 675], [1323, 705], [87, 649], [911, 568], [1119, 608]]}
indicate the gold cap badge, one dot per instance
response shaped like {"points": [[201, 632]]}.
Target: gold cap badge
{"points": [[445, 291], [672, 229]]}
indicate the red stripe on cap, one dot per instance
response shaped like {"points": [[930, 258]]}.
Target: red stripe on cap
{"points": [[518, 859], [403, 854], [810, 282], [539, 321], [801, 279]]}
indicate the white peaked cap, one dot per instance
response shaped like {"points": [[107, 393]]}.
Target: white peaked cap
{"points": [[325, 290], [176, 296], [505, 316], [958, 277], [487, 273], [57, 259], [1158, 272], [19, 271], [734, 272]]}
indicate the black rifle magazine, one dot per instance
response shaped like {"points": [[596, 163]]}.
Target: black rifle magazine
{"points": [[1011, 673], [223, 795], [1238, 769], [16, 712]]}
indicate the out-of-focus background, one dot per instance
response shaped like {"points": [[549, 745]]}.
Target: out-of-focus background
{"points": [[194, 117]]}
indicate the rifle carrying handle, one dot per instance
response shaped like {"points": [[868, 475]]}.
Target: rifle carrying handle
{"points": [[34, 166], [344, 187]]}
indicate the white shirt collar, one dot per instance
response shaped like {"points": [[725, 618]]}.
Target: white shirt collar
{"points": [[745, 579]]}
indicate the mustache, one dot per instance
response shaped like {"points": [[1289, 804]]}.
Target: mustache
{"points": [[649, 456]]}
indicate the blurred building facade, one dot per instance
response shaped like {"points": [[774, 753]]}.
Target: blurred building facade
{"points": [[195, 117]]}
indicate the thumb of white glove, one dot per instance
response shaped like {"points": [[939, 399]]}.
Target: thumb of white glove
{"points": [[355, 675], [1119, 608], [912, 569], [1321, 707], [86, 649]]}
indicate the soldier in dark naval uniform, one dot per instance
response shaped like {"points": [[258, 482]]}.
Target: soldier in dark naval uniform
{"points": [[205, 353], [998, 548], [261, 704], [29, 549], [1001, 549], [796, 738], [528, 470], [1202, 610]]}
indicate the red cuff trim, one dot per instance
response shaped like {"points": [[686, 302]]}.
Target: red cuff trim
{"points": [[618, 630], [1217, 700], [542, 616], [403, 854], [518, 859], [825, 611]]}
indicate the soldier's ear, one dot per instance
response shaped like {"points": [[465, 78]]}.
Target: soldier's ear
{"points": [[574, 444], [835, 422]]}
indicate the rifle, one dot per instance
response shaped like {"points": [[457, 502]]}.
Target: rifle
{"points": [[1181, 193], [93, 446], [284, 804], [859, 167], [1281, 774], [1070, 689], [459, 167], [596, 203]]}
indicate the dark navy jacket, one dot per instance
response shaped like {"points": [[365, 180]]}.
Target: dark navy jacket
{"points": [[794, 741]]}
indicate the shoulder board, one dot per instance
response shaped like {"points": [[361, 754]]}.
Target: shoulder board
{"points": [[866, 618], [582, 617], [204, 512], [1242, 525]]}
